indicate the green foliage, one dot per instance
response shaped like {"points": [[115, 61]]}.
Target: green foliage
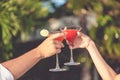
{"points": [[108, 40], [19, 17], [107, 36], [86, 4], [106, 33], [101, 34]]}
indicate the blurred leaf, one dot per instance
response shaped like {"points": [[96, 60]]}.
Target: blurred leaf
{"points": [[116, 48], [19, 16]]}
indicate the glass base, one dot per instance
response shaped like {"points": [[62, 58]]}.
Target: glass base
{"points": [[72, 63], [57, 69]]}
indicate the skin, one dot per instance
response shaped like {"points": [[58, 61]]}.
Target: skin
{"points": [[105, 71], [47, 48]]}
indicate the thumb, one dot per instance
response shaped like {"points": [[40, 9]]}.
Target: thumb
{"points": [[78, 33]]}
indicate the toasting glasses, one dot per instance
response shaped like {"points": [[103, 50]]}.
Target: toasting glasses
{"points": [[71, 33]]}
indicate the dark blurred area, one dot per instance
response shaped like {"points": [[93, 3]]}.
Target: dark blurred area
{"points": [[41, 70]]}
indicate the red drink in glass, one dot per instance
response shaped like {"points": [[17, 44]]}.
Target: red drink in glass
{"points": [[60, 39], [71, 35]]}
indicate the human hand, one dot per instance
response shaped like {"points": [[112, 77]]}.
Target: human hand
{"points": [[81, 41], [50, 46]]}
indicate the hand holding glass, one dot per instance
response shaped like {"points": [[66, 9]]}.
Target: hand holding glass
{"points": [[57, 68]]}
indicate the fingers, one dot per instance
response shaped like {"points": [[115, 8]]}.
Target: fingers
{"points": [[58, 44], [82, 35], [56, 35], [58, 51], [78, 33]]}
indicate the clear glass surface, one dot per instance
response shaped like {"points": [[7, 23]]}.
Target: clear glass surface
{"points": [[57, 68]]}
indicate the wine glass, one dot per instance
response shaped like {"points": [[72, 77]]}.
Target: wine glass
{"points": [[71, 33], [57, 67]]}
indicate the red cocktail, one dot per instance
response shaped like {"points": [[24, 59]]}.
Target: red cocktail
{"points": [[71, 35], [60, 39]]}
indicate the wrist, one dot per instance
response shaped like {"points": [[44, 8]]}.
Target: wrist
{"points": [[90, 45], [39, 54]]}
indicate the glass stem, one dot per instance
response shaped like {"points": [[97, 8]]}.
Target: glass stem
{"points": [[71, 53], [57, 61]]}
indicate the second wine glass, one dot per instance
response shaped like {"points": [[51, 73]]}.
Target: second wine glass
{"points": [[71, 33]]}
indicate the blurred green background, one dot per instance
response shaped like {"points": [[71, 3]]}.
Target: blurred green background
{"points": [[22, 20]]}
